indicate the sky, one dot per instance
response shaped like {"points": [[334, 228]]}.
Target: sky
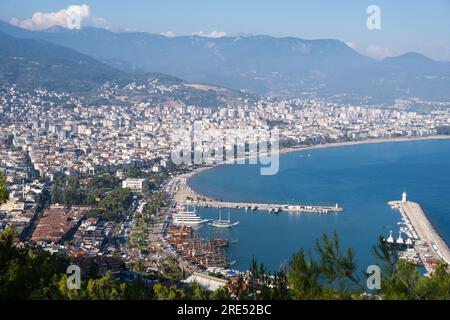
{"points": [[406, 25]]}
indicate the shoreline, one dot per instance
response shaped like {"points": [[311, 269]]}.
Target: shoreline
{"points": [[362, 142], [282, 151], [184, 186], [186, 191]]}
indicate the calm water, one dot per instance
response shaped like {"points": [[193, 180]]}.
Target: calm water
{"points": [[360, 178]]}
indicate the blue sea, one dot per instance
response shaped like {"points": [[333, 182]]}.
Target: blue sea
{"points": [[360, 178]]}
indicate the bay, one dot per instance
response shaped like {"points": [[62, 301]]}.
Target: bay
{"points": [[361, 178]]}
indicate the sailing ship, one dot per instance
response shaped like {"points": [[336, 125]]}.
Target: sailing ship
{"points": [[223, 223]]}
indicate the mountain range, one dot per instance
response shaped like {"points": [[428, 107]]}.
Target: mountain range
{"points": [[261, 64], [35, 63]]}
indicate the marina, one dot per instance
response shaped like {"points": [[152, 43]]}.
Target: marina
{"points": [[428, 246], [204, 253], [197, 251]]}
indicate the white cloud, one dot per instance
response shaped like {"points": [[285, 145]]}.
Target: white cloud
{"points": [[374, 51], [66, 18], [214, 34], [378, 52], [100, 22], [168, 34], [352, 45]]}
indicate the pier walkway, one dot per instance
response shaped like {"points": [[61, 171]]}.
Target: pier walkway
{"points": [[185, 195], [437, 247], [270, 207]]}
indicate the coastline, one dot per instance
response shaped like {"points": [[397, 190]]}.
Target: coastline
{"points": [[204, 168], [185, 191], [361, 142], [184, 188]]}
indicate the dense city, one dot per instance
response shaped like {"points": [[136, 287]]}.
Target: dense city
{"points": [[98, 184]]}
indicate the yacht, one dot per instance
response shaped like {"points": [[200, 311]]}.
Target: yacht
{"points": [[390, 239], [223, 223], [400, 239], [189, 218]]}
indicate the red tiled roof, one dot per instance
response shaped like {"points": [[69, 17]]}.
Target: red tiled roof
{"points": [[56, 222]]}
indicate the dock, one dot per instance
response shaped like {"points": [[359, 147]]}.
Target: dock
{"points": [[271, 207], [185, 195], [429, 244]]}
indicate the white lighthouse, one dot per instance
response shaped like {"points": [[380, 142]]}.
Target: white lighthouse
{"points": [[404, 195]]}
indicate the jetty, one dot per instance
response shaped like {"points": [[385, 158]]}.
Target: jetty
{"points": [[271, 207], [428, 243], [185, 195]]}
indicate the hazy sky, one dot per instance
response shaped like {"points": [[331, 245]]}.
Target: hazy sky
{"points": [[406, 25]]}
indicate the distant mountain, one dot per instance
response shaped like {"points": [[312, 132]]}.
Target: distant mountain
{"points": [[33, 63], [414, 74], [261, 64], [413, 62]]}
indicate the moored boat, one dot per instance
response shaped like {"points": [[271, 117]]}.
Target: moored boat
{"points": [[187, 217], [223, 223]]}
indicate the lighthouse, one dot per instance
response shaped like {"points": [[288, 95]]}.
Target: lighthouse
{"points": [[404, 195]]}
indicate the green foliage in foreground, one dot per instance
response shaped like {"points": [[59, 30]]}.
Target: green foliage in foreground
{"points": [[32, 273], [328, 272]]}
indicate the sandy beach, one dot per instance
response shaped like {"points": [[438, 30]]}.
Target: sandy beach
{"points": [[353, 143], [184, 192], [323, 146]]}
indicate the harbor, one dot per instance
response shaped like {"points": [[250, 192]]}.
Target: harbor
{"points": [[185, 195], [204, 253], [273, 238], [211, 252], [428, 245]]}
